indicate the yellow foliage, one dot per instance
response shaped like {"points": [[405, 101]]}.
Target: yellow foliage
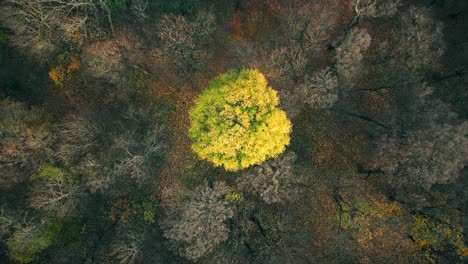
{"points": [[236, 123], [234, 197], [368, 218], [432, 235], [61, 73], [58, 75]]}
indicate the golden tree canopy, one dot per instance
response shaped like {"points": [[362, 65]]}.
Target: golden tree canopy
{"points": [[235, 122]]}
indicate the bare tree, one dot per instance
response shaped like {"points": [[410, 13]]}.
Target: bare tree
{"points": [[40, 25], [78, 135], [182, 39], [137, 153], [309, 25], [377, 8], [138, 8], [431, 147], [320, 90], [7, 221], [196, 223], [307, 29], [289, 61], [419, 43], [97, 175], [244, 53], [274, 180], [350, 55], [127, 246], [57, 195], [104, 59], [117, 60], [11, 220]]}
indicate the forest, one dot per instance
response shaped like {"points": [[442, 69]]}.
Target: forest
{"points": [[233, 131]]}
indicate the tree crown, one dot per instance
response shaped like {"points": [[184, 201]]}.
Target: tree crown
{"points": [[235, 122]]}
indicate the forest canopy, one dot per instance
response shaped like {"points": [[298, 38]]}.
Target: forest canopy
{"points": [[233, 131]]}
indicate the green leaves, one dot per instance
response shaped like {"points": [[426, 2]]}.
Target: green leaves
{"points": [[30, 240], [48, 173], [234, 197], [236, 122]]}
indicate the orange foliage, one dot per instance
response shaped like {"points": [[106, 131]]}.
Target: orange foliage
{"points": [[58, 75], [67, 64], [121, 210], [74, 64], [77, 39], [235, 25]]}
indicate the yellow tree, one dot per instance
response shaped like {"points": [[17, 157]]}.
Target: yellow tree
{"points": [[235, 122]]}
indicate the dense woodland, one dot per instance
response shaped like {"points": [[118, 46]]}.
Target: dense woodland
{"points": [[97, 165]]}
